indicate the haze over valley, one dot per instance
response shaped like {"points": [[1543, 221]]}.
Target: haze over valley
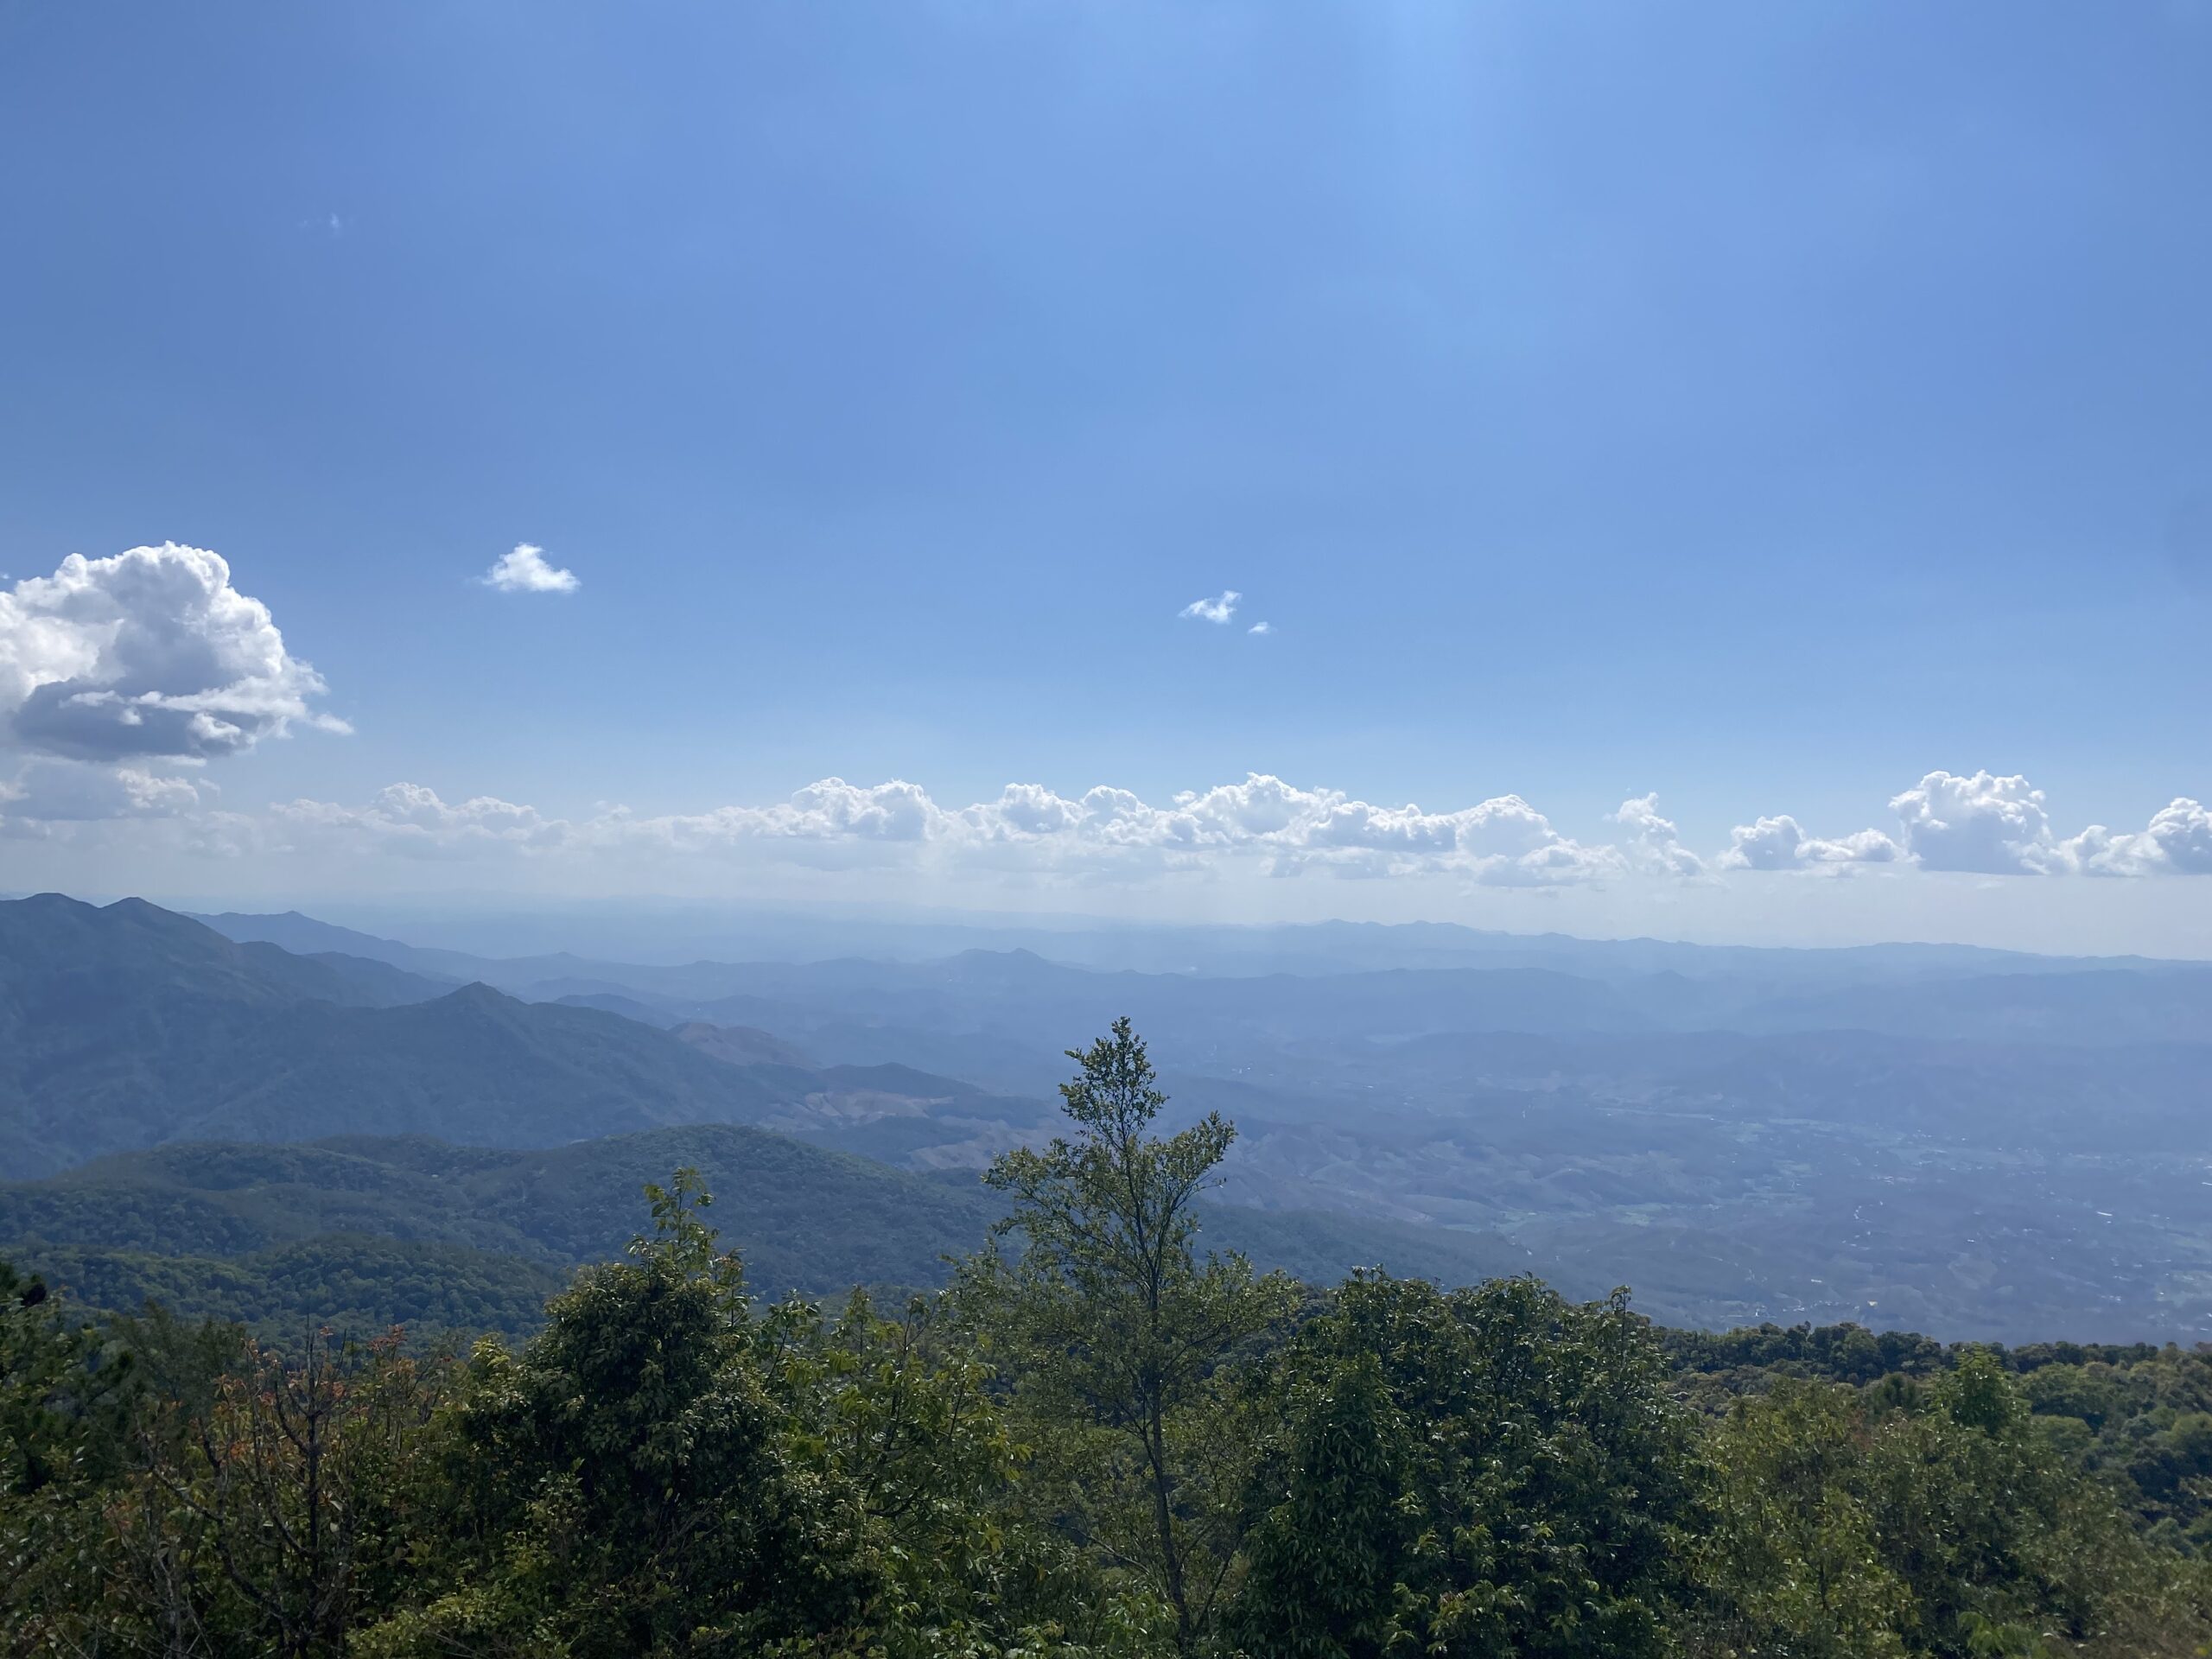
{"points": [[1969, 1143]]}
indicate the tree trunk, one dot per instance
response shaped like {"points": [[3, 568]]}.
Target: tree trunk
{"points": [[1170, 1557]]}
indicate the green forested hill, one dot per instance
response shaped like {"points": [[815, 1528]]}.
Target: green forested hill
{"points": [[71, 962], [805, 1218], [472, 1064], [355, 1286], [263, 1232], [128, 1026]]}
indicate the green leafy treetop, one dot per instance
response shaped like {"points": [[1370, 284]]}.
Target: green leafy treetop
{"points": [[1122, 1341], [628, 1464], [1469, 1472], [666, 1469]]}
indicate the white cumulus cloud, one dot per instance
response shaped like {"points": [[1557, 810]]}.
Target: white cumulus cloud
{"points": [[1285, 829], [1778, 843], [1977, 823], [1983, 823], [150, 653], [524, 571], [68, 792], [2176, 842], [1213, 610], [831, 809], [1260, 627], [2182, 831], [1769, 845], [411, 819], [1653, 846]]}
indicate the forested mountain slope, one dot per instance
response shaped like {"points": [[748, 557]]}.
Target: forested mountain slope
{"points": [[1978, 1144], [127, 1026], [412, 1230]]}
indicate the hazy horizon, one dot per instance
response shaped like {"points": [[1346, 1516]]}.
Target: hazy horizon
{"points": [[673, 927]]}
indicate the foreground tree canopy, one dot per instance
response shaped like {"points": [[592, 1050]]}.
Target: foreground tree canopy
{"points": [[1102, 1441]]}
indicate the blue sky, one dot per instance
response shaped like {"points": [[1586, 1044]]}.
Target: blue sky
{"points": [[1765, 406]]}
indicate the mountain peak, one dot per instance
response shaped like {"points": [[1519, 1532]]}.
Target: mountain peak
{"points": [[144, 913], [477, 993], [54, 901]]}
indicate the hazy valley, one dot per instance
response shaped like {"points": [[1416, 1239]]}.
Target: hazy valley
{"points": [[1970, 1143]]}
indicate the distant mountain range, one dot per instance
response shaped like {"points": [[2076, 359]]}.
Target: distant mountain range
{"points": [[127, 1026], [269, 1132], [1001, 1018], [648, 931], [1980, 1144]]}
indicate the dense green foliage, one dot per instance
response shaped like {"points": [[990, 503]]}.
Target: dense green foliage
{"points": [[1096, 1441], [1485, 1471], [346, 1281], [2137, 1417]]}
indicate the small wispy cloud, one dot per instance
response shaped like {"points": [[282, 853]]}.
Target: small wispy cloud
{"points": [[524, 571], [1213, 610], [1260, 627], [328, 224]]}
